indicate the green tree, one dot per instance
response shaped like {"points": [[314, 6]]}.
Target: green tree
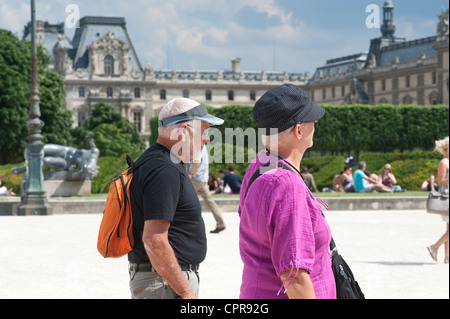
{"points": [[114, 135], [15, 74]]}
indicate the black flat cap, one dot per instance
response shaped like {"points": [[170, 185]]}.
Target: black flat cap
{"points": [[284, 107]]}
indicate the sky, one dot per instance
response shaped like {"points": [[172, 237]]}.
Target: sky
{"points": [[270, 35]]}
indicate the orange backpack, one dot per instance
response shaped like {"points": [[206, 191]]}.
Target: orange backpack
{"points": [[115, 236]]}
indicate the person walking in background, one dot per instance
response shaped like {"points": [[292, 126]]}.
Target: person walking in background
{"points": [[284, 238], [199, 175], [309, 180], [443, 181]]}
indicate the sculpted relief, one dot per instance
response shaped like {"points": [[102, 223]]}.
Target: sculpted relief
{"points": [[109, 56]]}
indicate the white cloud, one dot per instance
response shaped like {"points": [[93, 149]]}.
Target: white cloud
{"points": [[12, 16], [269, 7], [206, 34]]}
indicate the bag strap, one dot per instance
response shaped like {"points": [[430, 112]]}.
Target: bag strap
{"points": [[135, 165], [283, 166], [258, 173]]}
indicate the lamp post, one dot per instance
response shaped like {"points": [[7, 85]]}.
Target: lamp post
{"points": [[34, 201]]}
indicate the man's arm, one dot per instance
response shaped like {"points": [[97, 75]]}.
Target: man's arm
{"points": [[162, 257], [194, 168]]}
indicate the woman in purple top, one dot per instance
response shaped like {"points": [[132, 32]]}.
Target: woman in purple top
{"points": [[284, 237]]}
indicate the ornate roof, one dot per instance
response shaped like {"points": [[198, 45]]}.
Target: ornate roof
{"points": [[96, 28]]}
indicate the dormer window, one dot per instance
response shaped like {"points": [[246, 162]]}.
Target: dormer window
{"points": [[109, 65], [137, 93]]}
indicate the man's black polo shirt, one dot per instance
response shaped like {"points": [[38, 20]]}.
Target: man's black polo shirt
{"points": [[161, 189]]}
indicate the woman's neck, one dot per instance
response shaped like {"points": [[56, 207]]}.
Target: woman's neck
{"points": [[294, 157]]}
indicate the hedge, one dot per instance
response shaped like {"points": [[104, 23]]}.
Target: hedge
{"points": [[351, 129], [391, 132], [380, 128]]}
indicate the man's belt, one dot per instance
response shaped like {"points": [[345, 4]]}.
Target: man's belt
{"points": [[150, 268]]}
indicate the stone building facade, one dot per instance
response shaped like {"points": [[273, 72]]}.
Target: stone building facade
{"points": [[100, 65], [394, 70]]}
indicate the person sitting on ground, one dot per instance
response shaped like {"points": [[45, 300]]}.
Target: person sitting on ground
{"points": [[337, 183], [367, 184], [347, 179], [388, 179], [234, 181], [213, 183], [426, 185], [5, 191], [309, 180]]}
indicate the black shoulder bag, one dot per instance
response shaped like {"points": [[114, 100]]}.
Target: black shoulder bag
{"points": [[346, 285]]}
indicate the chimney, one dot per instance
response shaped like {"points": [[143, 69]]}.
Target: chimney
{"points": [[236, 65]]}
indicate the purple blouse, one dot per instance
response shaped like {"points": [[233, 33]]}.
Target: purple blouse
{"points": [[282, 227]]}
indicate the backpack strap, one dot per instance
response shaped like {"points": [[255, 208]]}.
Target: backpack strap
{"points": [[135, 165]]}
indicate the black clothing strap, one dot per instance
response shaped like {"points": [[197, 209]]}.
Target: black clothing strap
{"points": [[258, 173]]}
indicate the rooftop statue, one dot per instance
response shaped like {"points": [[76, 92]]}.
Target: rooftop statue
{"points": [[442, 28], [79, 164]]}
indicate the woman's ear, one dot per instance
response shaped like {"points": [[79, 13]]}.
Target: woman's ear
{"points": [[298, 132]]}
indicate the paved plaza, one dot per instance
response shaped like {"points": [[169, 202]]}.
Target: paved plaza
{"points": [[56, 257]]}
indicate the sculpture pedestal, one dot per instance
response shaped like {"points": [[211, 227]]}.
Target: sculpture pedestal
{"points": [[56, 185], [59, 188]]}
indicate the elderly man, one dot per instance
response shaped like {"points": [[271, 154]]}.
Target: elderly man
{"points": [[167, 221]]}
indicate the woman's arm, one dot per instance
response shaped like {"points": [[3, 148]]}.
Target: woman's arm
{"points": [[301, 286], [442, 172]]}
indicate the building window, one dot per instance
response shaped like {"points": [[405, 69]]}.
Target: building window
{"points": [[433, 78], [208, 95], [81, 117], [109, 92], [162, 94], [383, 85], [230, 95], [81, 91], [186, 94], [408, 81], [333, 93], [407, 99], [343, 91], [137, 119], [324, 94], [137, 93], [252, 96], [434, 98], [109, 65]]}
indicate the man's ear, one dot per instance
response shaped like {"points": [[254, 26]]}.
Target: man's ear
{"points": [[182, 133]]}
